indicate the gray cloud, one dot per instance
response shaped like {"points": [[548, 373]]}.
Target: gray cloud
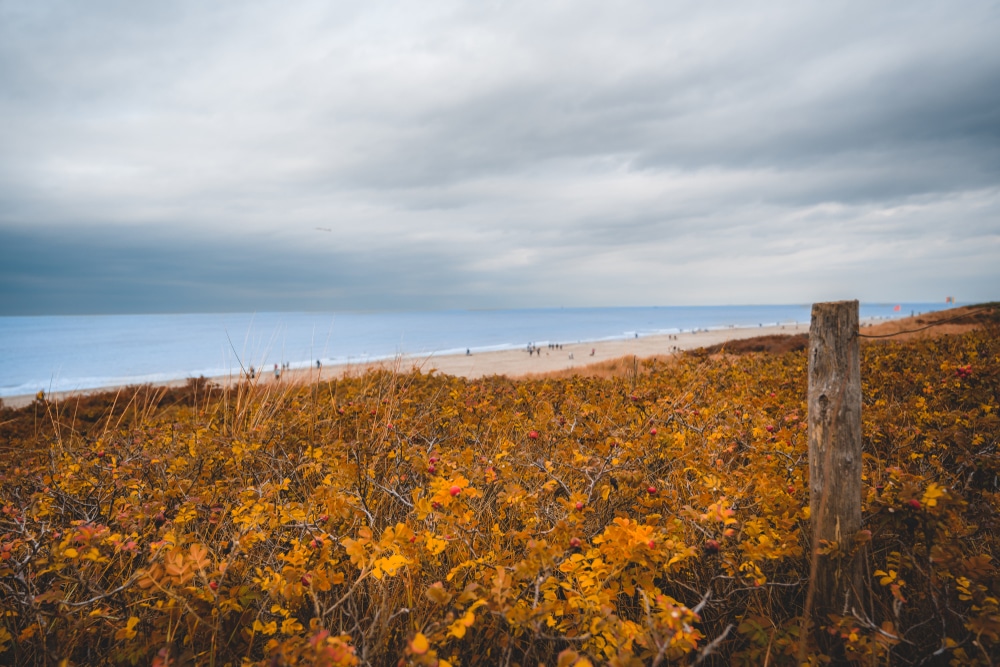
{"points": [[180, 156]]}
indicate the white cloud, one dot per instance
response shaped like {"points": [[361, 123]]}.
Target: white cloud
{"points": [[540, 153]]}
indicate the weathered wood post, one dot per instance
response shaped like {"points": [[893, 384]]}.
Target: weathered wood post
{"points": [[834, 458]]}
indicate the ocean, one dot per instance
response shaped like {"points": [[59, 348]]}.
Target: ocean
{"points": [[66, 353]]}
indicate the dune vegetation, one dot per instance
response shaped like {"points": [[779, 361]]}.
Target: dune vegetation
{"points": [[655, 516]]}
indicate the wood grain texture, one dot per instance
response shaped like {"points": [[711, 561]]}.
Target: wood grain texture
{"points": [[834, 400]]}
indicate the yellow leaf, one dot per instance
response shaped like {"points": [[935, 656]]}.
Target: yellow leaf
{"points": [[290, 626], [419, 645], [435, 545], [886, 578], [71, 553], [128, 632], [268, 629], [458, 628], [931, 495], [388, 565]]}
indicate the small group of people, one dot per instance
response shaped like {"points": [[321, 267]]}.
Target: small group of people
{"points": [[279, 369], [532, 348]]}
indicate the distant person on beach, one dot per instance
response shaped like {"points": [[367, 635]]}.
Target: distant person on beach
{"points": [[468, 352], [318, 364], [277, 372], [592, 351]]}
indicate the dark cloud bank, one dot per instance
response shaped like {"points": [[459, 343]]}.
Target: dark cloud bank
{"points": [[256, 156]]}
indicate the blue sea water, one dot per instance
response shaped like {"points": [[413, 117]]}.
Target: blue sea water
{"points": [[65, 353]]}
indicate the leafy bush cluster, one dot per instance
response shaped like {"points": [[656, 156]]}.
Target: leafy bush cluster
{"points": [[660, 517]]}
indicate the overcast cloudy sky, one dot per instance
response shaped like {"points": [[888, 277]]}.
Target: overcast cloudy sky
{"points": [[261, 155]]}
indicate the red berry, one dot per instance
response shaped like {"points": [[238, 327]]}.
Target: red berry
{"points": [[433, 460], [791, 489], [435, 505], [651, 544], [100, 454], [579, 505], [533, 435], [389, 426], [214, 585], [431, 469], [914, 503], [652, 431], [455, 490], [314, 544], [305, 579], [574, 542], [711, 546], [324, 518], [413, 538], [769, 428], [651, 490]]}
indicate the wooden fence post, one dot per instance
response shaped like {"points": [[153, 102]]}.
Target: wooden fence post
{"points": [[834, 400]]}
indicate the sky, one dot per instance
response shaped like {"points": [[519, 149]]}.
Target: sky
{"points": [[255, 155]]}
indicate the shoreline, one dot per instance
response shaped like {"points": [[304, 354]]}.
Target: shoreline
{"points": [[514, 363], [511, 362]]}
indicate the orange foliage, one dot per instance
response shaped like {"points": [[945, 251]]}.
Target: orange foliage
{"points": [[422, 519]]}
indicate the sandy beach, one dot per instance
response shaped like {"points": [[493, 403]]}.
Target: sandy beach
{"points": [[519, 363], [513, 363]]}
